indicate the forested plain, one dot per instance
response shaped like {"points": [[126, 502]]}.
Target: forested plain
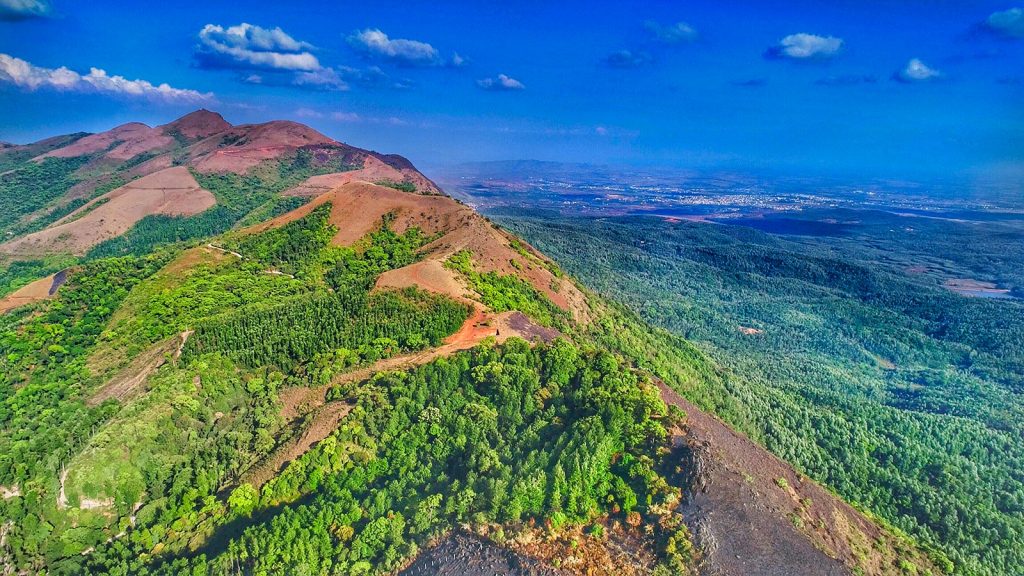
{"points": [[846, 355]]}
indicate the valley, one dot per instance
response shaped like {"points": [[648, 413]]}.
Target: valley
{"points": [[871, 356]]}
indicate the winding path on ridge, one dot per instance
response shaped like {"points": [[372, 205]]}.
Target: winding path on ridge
{"points": [[298, 402]]}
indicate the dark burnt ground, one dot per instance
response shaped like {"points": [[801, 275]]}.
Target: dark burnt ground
{"points": [[752, 514], [58, 279], [461, 554], [531, 330], [741, 519]]}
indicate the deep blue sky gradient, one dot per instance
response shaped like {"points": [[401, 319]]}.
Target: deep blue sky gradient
{"points": [[715, 102]]}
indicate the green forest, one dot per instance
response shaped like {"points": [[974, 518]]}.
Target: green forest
{"points": [[902, 396], [512, 434], [899, 395]]}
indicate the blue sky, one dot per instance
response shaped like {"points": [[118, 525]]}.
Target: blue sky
{"points": [[913, 89]]}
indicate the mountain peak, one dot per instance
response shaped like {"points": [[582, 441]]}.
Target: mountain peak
{"points": [[198, 124]]}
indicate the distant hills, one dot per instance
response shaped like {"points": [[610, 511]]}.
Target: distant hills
{"points": [[154, 166]]}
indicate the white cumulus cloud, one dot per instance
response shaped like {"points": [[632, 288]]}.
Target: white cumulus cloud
{"points": [[375, 43], [30, 77], [502, 82], [322, 79], [627, 59], [803, 46], [671, 34], [346, 116], [917, 71], [1008, 22], [249, 46], [22, 9]]}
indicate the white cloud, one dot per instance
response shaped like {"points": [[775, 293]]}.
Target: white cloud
{"points": [[22, 9], [345, 116], [323, 79], [805, 46], [353, 118], [1008, 22], [628, 59], [251, 46], [917, 71], [308, 113], [502, 82], [30, 77], [375, 43], [671, 34]]}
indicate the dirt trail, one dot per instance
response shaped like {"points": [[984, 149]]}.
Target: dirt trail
{"points": [[132, 377], [479, 326], [297, 402], [323, 421]]}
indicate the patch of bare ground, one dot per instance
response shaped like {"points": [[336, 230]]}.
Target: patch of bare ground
{"points": [[373, 170], [752, 514], [128, 140], [241, 148], [430, 275], [972, 287], [172, 192], [129, 381], [463, 554], [748, 331], [321, 422], [42, 289]]}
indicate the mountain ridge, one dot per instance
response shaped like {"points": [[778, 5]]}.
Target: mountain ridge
{"points": [[203, 142], [306, 269]]}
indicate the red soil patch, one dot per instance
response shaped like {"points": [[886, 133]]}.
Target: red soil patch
{"points": [[299, 400], [34, 292], [173, 192], [373, 170], [198, 124], [430, 275], [747, 330], [243, 147], [135, 138]]}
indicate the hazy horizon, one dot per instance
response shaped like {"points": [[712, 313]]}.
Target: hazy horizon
{"points": [[915, 90]]}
